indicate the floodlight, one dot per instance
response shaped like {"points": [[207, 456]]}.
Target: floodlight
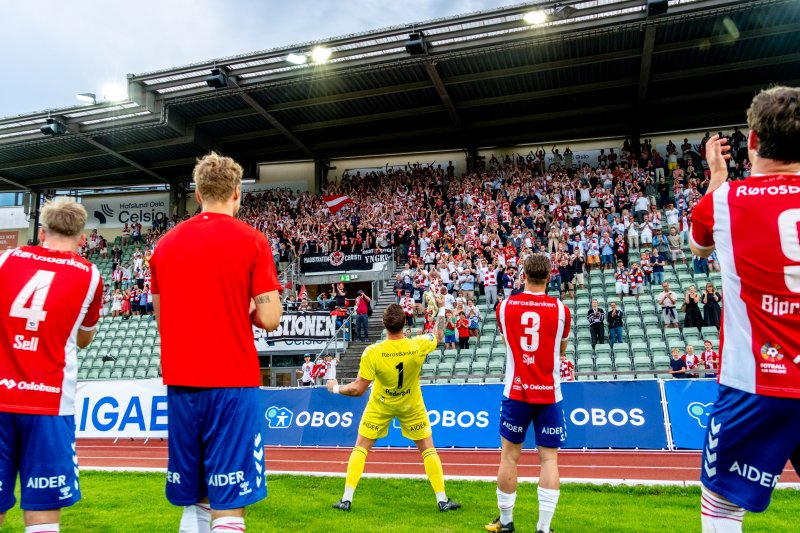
{"points": [[535, 17], [297, 59], [320, 54], [218, 79], [53, 127], [114, 92], [416, 45], [89, 98], [563, 12]]}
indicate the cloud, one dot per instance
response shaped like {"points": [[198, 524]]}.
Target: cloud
{"points": [[54, 49]]}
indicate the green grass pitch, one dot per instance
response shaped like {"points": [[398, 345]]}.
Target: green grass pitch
{"points": [[134, 502]]}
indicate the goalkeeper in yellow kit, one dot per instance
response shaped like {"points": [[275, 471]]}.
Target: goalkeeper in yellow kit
{"points": [[394, 365]]}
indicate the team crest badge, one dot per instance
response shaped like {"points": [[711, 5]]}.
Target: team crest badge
{"points": [[336, 259]]}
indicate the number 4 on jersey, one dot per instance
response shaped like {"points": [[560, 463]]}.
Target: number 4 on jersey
{"points": [[37, 288]]}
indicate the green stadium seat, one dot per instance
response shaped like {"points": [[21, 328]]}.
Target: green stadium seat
{"points": [[639, 349], [651, 321], [661, 361], [621, 349], [105, 372], [116, 373], [128, 372], [94, 373], [492, 379], [499, 350], [641, 362], [83, 373], [474, 380], [479, 367], [489, 328], [622, 364], [709, 332], [603, 364], [462, 368], [458, 381], [635, 334], [450, 356], [441, 381], [602, 350], [482, 354], [140, 373], [585, 365], [672, 334], [429, 369], [445, 369], [497, 366]]}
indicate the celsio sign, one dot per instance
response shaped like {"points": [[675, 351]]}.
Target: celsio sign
{"points": [[115, 211]]}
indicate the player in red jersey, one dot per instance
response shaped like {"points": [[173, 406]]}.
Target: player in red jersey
{"points": [[535, 327], [753, 225], [50, 300], [209, 360]]}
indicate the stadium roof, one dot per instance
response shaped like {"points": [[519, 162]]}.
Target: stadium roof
{"points": [[488, 78]]}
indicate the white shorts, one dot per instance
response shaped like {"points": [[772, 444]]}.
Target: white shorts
{"points": [[622, 287]]}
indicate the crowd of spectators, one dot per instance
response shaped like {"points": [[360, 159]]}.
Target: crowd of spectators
{"points": [[459, 235]]}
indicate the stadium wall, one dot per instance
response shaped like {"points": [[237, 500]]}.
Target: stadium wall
{"points": [[644, 414], [14, 227]]}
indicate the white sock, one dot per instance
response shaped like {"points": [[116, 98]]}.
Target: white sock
{"points": [[719, 515], [43, 528], [548, 499], [441, 496], [196, 519], [348, 493], [227, 524], [505, 502]]}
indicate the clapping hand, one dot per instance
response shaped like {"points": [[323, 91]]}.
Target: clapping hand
{"points": [[717, 155]]}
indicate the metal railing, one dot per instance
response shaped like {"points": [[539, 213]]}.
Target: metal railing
{"points": [[340, 340], [385, 276]]}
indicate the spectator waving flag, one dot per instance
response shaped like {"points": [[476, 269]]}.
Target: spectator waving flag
{"points": [[336, 202]]}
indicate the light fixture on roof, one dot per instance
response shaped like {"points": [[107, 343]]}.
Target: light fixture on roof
{"points": [[297, 59], [217, 79], [562, 12], [114, 92], [89, 98], [320, 54], [53, 127], [416, 45], [535, 17]]}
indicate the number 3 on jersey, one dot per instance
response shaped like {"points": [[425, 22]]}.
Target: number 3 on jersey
{"points": [[37, 287], [529, 341]]}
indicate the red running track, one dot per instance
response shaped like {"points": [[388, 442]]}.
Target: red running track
{"points": [[591, 466]]}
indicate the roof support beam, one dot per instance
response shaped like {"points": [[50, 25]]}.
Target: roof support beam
{"points": [[15, 184], [647, 61], [433, 74], [122, 158], [271, 119]]}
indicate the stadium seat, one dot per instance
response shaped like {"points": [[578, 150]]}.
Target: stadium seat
{"points": [[496, 366], [585, 351], [499, 350], [673, 334], [489, 328], [458, 381], [709, 332], [482, 354], [140, 373], [492, 379], [635, 334], [622, 364], [441, 381], [479, 367], [105, 372], [449, 356], [83, 373], [116, 373], [621, 349], [474, 380], [602, 350], [585, 365], [461, 368], [661, 361], [94, 373], [128, 372], [603, 364], [641, 362]]}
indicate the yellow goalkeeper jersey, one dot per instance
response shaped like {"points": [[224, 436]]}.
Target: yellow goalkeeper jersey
{"points": [[394, 366]]}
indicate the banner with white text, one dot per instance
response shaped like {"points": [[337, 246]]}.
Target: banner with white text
{"points": [[114, 211], [121, 408]]}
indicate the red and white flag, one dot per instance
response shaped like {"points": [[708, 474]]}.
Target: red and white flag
{"points": [[303, 293], [336, 202]]}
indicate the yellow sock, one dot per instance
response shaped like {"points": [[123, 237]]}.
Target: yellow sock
{"points": [[355, 467], [433, 468]]}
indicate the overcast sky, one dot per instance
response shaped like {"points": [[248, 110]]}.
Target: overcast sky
{"points": [[55, 49]]}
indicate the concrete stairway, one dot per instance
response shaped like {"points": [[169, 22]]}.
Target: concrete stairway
{"points": [[348, 367]]}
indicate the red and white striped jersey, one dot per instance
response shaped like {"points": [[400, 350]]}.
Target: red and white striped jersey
{"points": [[490, 278], [533, 325], [755, 227], [45, 297], [407, 303]]}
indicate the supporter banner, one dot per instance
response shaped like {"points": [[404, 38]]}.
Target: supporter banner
{"points": [[313, 327], [614, 414], [8, 240], [599, 415], [689, 404], [118, 210], [130, 408], [344, 262]]}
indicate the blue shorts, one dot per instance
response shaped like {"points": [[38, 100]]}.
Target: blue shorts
{"points": [[41, 448], [215, 447], [450, 339], [548, 422], [748, 441]]}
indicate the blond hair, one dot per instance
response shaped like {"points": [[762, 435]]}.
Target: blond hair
{"points": [[64, 217], [216, 177]]}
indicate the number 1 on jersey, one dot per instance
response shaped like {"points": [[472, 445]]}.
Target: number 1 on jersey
{"points": [[399, 368], [38, 287]]}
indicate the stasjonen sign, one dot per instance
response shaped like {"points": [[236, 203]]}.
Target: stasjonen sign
{"points": [[117, 210]]}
